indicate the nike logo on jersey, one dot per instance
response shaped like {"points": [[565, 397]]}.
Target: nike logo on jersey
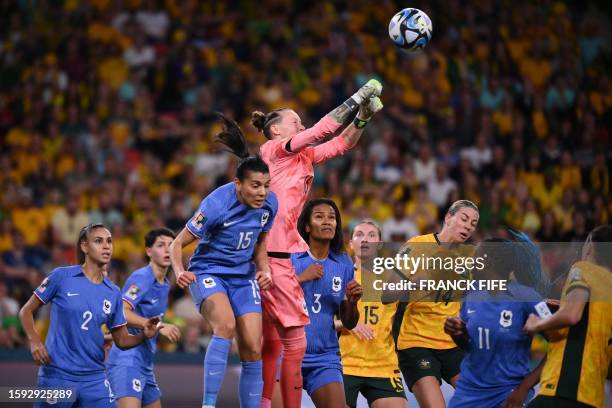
{"points": [[214, 372], [72, 294], [470, 311], [154, 301], [227, 224]]}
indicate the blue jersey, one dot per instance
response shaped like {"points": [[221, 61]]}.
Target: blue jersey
{"points": [[323, 297], [499, 351], [79, 308], [228, 231], [148, 298]]}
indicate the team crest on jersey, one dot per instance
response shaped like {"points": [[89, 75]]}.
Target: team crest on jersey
{"points": [[132, 291], [106, 306], [337, 283], [209, 283], [43, 285], [505, 318], [197, 221], [265, 217], [136, 385]]}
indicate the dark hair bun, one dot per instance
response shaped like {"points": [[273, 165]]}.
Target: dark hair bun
{"points": [[258, 119]]}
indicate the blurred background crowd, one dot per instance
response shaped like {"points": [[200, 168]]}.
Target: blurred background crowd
{"points": [[106, 115]]}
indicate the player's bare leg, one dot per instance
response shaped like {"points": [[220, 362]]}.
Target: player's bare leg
{"points": [[329, 396], [427, 392], [155, 404], [217, 310], [453, 380], [248, 336], [391, 402], [129, 402]]}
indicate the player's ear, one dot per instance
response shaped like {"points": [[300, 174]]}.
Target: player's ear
{"points": [[148, 252], [447, 218]]}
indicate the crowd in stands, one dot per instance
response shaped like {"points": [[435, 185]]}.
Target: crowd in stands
{"points": [[107, 115]]}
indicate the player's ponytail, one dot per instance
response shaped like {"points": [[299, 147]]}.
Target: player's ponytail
{"points": [[232, 137], [262, 121]]}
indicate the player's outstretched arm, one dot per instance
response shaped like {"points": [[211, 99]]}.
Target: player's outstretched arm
{"points": [[349, 313], [371, 89], [333, 120], [183, 277], [124, 340], [26, 316], [349, 136]]}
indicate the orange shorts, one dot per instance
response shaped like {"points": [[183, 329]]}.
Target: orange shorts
{"points": [[284, 302]]}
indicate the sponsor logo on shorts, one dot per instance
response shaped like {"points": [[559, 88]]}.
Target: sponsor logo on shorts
{"points": [[505, 318], [136, 385], [424, 364], [106, 306], [209, 283]]}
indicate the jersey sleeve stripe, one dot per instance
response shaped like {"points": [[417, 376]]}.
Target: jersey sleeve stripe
{"points": [[128, 302], [190, 231], [119, 325], [39, 298]]}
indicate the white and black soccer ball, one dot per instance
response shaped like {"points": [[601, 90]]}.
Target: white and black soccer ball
{"points": [[410, 29]]}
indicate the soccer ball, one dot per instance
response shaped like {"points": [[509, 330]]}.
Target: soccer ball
{"points": [[410, 29]]}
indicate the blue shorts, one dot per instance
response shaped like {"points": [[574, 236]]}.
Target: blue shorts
{"points": [[467, 396], [242, 291], [133, 382], [94, 394], [321, 370]]}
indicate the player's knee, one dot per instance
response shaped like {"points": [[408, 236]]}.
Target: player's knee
{"points": [[225, 329], [250, 353], [294, 348]]}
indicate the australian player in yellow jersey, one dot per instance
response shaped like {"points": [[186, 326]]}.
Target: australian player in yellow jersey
{"points": [[426, 354], [369, 361], [581, 347]]}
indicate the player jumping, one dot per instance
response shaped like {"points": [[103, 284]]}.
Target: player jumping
{"points": [[228, 267], [292, 152]]}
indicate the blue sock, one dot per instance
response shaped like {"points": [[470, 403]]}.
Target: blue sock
{"points": [[251, 384], [215, 362]]}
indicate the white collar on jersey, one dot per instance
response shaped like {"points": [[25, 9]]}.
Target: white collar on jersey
{"points": [[316, 259]]}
